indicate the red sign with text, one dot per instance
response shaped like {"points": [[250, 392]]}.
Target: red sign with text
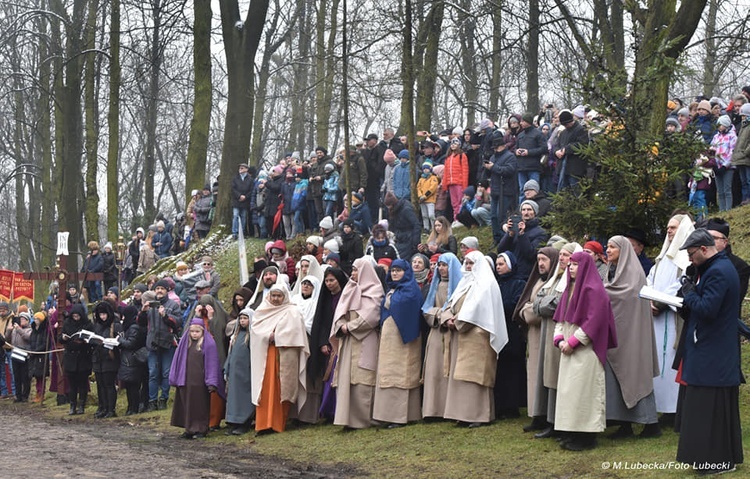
{"points": [[22, 288], [6, 284]]}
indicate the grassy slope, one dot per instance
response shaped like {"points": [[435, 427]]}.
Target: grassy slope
{"points": [[441, 449]]}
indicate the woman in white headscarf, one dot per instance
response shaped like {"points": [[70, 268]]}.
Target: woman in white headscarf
{"points": [[307, 302], [354, 335], [308, 265], [279, 352], [665, 276], [476, 320]]}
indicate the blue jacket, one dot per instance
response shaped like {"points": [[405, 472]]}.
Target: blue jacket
{"points": [[331, 187], [401, 181], [164, 240], [362, 218], [287, 192], [300, 195], [704, 125], [711, 350]]}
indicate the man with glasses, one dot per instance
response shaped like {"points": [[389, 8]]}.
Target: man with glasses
{"points": [[719, 230], [210, 275], [709, 418]]}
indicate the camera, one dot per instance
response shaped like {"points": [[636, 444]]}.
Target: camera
{"points": [[154, 304]]}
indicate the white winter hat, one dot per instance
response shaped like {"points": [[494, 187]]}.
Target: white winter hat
{"points": [[332, 245], [724, 121], [326, 223]]}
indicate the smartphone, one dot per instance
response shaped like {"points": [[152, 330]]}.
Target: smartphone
{"points": [[514, 220], [154, 304]]}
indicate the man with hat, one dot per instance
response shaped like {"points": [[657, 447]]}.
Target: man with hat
{"points": [[531, 145], [719, 230], [202, 287], [358, 173], [242, 191], [161, 340], [502, 169], [211, 275], [373, 156], [709, 420], [532, 191], [523, 239], [571, 165], [638, 239]]}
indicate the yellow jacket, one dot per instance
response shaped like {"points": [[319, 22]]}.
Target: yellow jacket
{"points": [[428, 187]]}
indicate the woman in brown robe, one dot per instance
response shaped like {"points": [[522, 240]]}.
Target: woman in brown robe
{"points": [[354, 335]]}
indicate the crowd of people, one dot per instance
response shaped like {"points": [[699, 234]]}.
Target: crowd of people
{"points": [[364, 336], [375, 326]]}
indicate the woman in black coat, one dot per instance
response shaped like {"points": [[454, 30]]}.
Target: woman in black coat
{"points": [[132, 371], [351, 246], [106, 361], [77, 357], [402, 220], [510, 381]]}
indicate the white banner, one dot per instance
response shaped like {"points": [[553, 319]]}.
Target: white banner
{"points": [[62, 243], [244, 277]]}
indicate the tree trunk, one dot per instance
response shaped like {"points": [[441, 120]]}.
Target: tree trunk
{"points": [[92, 133], [407, 103], [709, 63], [195, 168], [240, 45], [497, 35], [532, 59], [151, 111], [467, 23], [23, 231], [44, 143], [426, 76], [665, 35], [113, 120], [69, 124]]}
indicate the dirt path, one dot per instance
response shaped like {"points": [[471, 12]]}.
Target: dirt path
{"points": [[63, 448]]}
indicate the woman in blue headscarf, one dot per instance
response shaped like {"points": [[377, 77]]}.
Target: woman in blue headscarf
{"points": [[397, 399], [435, 380]]}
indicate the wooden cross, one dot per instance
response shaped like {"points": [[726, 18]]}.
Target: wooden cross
{"points": [[61, 274]]}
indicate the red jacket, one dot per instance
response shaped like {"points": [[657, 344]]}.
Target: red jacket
{"points": [[456, 170]]}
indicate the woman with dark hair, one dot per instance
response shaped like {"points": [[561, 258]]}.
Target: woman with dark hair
{"points": [[510, 380], [322, 356], [397, 399], [132, 370], [584, 331]]}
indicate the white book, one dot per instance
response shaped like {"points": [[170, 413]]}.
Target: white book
{"points": [[648, 292]]}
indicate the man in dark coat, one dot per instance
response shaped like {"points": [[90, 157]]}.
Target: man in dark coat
{"points": [[373, 155], [524, 241], [709, 419], [530, 146], [242, 191], [571, 166], [357, 172], [502, 168], [404, 224], [163, 327]]}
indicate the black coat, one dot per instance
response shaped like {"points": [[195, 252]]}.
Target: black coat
{"points": [[273, 200], [77, 357], [106, 360], [38, 342], [133, 339], [244, 188], [287, 193], [503, 174], [533, 140], [572, 139], [350, 249], [109, 270], [404, 224]]}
